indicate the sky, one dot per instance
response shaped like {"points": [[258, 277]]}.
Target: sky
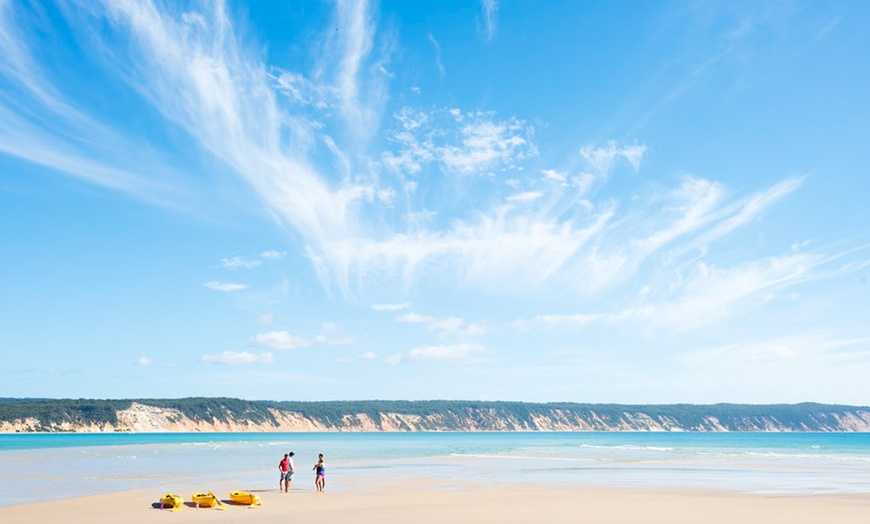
{"points": [[629, 202]]}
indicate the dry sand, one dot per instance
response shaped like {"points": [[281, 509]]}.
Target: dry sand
{"points": [[429, 501]]}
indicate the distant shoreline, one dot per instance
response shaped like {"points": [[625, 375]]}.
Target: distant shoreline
{"points": [[201, 414]]}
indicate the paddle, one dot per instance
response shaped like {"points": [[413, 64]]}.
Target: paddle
{"points": [[220, 505]]}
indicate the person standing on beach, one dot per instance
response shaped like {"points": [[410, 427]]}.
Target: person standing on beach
{"points": [[288, 475], [284, 467], [320, 473]]}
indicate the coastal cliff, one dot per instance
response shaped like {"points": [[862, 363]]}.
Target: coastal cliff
{"points": [[209, 414]]}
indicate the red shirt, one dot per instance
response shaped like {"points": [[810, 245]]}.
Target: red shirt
{"points": [[285, 465]]}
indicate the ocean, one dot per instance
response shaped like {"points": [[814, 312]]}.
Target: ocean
{"points": [[44, 466]]}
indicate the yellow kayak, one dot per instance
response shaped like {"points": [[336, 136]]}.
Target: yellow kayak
{"points": [[244, 497], [205, 500], [171, 501]]}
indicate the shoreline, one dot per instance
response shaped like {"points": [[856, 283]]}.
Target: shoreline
{"points": [[231, 415], [428, 500]]}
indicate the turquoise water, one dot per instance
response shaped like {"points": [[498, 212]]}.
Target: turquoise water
{"points": [[37, 467]]}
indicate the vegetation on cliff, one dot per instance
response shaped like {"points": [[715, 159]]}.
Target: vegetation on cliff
{"points": [[447, 415]]}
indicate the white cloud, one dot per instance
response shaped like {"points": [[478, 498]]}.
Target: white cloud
{"points": [[273, 255], [414, 318], [446, 326], [279, 340], [498, 249], [144, 362], [224, 286], [265, 319], [528, 196], [234, 358], [239, 262], [450, 353], [391, 307], [603, 159], [471, 144], [487, 143], [214, 86], [552, 174], [779, 352]]}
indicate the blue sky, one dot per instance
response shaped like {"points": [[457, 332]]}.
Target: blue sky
{"points": [[640, 202]]}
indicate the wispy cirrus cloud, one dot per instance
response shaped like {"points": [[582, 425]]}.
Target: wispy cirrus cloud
{"points": [[376, 214], [437, 47], [706, 293], [40, 122], [224, 286], [527, 196], [361, 96], [241, 262], [601, 159], [490, 17], [811, 347], [701, 294]]}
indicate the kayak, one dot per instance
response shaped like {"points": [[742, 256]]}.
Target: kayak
{"points": [[205, 500], [244, 497], [171, 501]]}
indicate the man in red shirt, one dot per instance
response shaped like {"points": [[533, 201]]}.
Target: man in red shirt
{"points": [[284, 468]]}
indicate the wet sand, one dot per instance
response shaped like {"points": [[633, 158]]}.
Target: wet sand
{"points": [[430, 501]]}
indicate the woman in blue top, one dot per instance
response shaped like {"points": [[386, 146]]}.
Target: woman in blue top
{"points": [[319, 473]]}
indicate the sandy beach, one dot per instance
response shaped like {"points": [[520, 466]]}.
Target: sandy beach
{"points": [[427, 501]]}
